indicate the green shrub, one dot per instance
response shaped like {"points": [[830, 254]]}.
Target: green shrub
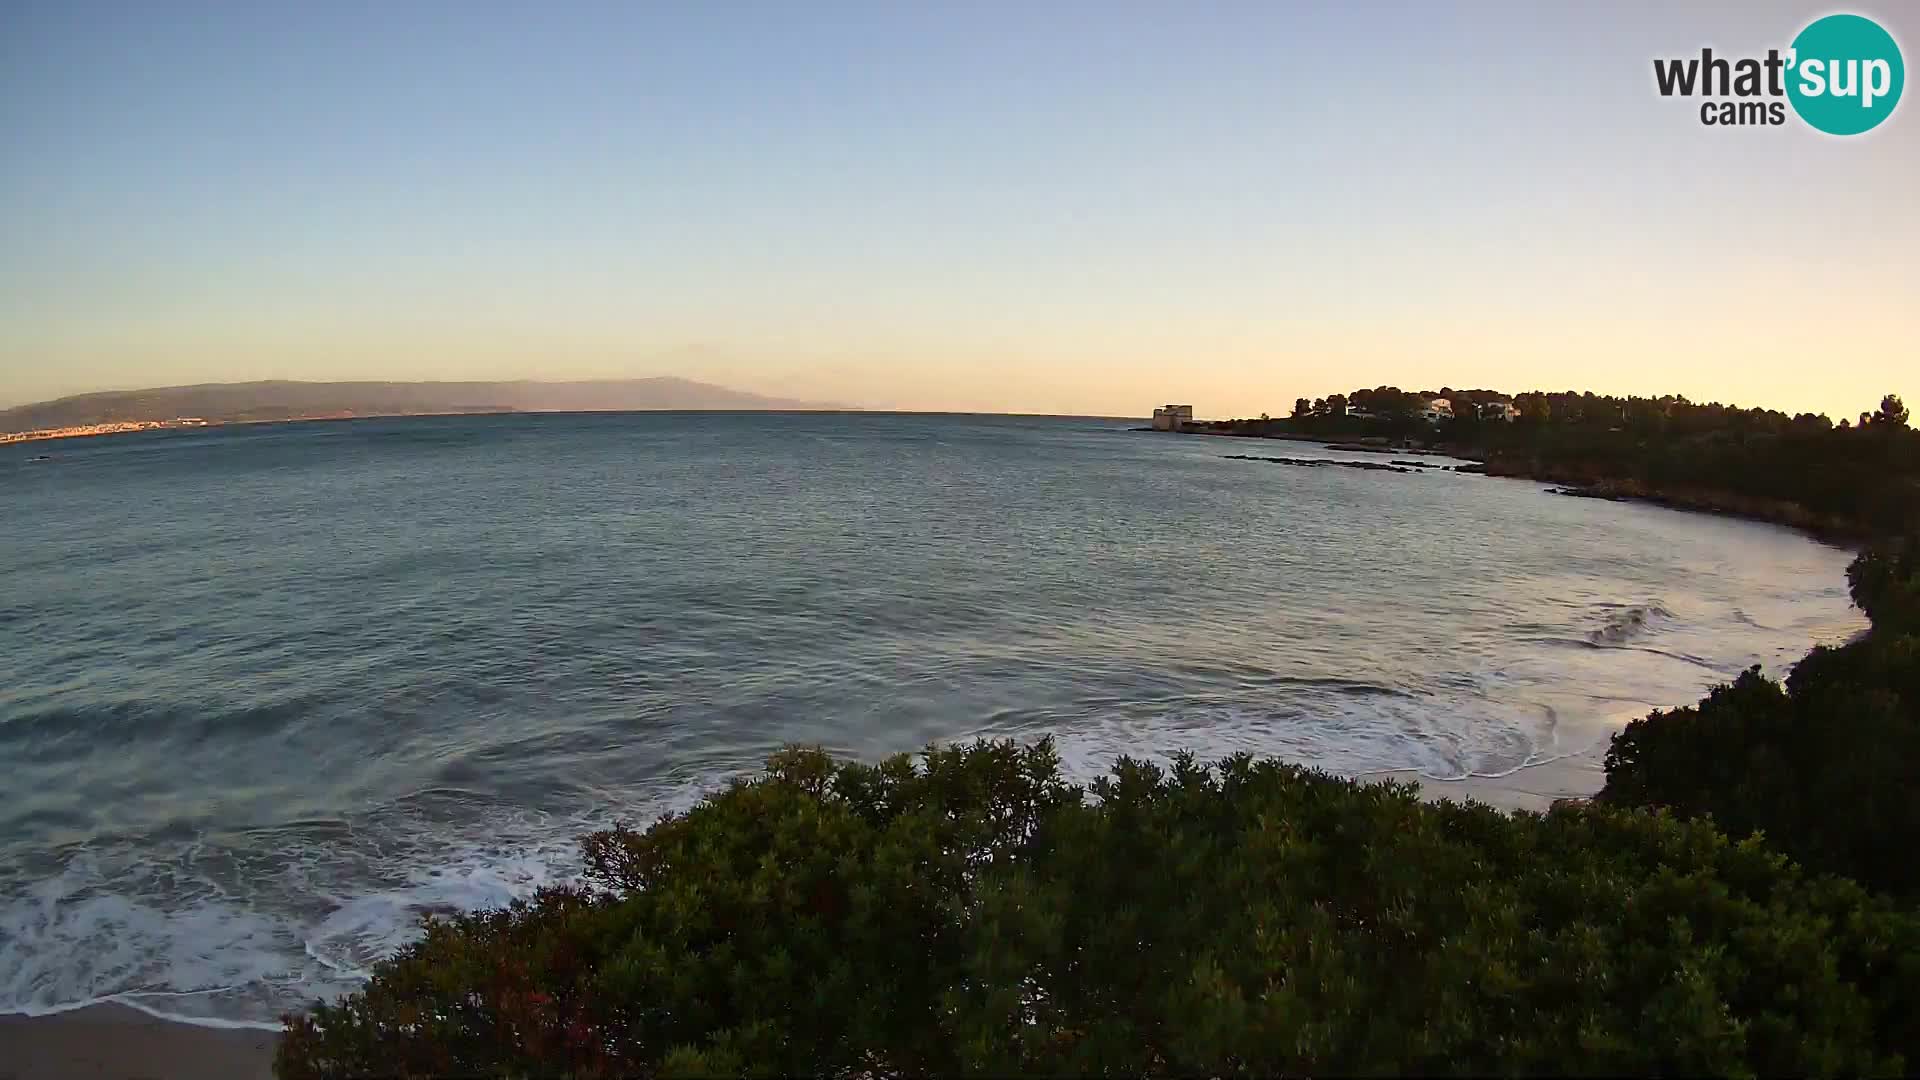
{"points": [[1825, 766], [1885, 583], [974, 913]]}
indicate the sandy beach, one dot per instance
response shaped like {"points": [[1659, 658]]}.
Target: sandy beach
{"points": [[113, 1042]]}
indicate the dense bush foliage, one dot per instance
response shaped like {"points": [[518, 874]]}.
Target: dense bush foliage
{"points": [[1863, 481], [974, 913], [1827, 766], [1885, 582]]}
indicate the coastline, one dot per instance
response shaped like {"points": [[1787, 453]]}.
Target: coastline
{"points": [[1840, 533], [1535, 787], [21, 438], [1851, 535], [116, 1040], [113, 1040], [103, 1041]]}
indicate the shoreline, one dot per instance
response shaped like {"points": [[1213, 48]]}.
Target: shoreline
{"points": [[113, 1040], [1849, 536], [1836, 532], [1574, 777], [14, 438]]}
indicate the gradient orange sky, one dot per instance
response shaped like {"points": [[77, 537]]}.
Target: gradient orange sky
{"points": [[1084, 208]]}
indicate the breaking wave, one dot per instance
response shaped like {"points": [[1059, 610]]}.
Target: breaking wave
{"points": [[1629, 623]]}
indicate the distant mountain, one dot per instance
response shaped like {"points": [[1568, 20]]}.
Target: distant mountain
{"points": [[231, 402]]}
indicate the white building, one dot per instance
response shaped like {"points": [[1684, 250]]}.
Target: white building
{"points": [[1171, 417], [1499, 410], [1437, 409]]}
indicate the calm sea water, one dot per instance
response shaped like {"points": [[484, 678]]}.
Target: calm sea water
{"points": [[268, 693]]}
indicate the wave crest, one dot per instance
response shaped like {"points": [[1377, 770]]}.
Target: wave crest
{"points": [[1628, 623]]}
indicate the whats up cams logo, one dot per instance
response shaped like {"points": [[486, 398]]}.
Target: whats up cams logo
{"points": [[1842, 75]]}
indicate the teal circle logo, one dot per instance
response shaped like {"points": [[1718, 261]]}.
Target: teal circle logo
{"points": [[1845, 75]]}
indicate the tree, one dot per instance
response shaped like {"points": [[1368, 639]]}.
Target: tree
{"points": [[1302, 407], [1892, 412]]}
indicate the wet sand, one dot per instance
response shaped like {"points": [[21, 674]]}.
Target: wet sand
{"points": [[1536, 787], [113, 1042]]}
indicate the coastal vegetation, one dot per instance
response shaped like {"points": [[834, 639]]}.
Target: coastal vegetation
{"points": [[974, 912], [1854, 480]]}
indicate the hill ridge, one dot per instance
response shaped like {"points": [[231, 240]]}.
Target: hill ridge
{"points": [[291, 399]]}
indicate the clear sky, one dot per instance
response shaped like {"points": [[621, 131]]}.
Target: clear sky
{"points": [[982, 205]]}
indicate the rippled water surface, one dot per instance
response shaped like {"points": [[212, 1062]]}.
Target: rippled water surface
{"points": [[267, 693]]}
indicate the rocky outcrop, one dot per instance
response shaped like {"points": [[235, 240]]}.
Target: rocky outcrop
{"points": [[1370, 466]]}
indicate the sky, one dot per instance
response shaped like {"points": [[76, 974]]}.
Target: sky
{"points": [[1062, 207]]}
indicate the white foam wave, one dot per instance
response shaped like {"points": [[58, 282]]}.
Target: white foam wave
{"points": [[179, 939], [168, 935], [68, 941], [1477, 732], [1625, 624], [363, 929]]}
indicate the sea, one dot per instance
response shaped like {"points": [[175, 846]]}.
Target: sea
{"points": [[271, 693]]}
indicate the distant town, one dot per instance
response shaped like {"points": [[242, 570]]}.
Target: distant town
{"points": [[115, 428]]}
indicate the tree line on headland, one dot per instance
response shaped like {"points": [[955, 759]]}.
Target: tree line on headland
{"points": [[1742, 898], [1852, 480]]}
